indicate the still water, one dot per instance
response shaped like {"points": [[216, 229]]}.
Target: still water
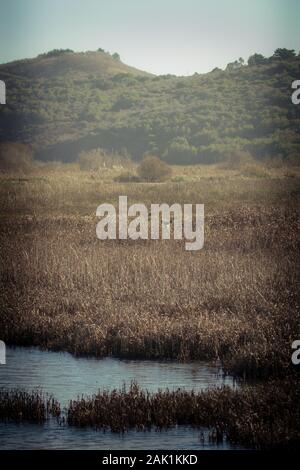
{"points": [[67, 377]]}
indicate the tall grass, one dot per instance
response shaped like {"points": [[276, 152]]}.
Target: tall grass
{"points": [[236, 300], [264, 416], [20, 405], [261, 416]]}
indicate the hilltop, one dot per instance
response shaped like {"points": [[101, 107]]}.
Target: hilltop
{"points": [[65, 102], [66, 63]]}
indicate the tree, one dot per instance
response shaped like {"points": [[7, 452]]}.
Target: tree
{"points": [[56, 53], [116, 56], [283, 53], [256, 59], [153, 169], [234, 65], [180, 151]]}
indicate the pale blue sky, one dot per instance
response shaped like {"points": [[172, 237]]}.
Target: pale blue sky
{"points": [[160, 36]]}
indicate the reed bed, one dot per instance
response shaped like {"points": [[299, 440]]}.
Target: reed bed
{"points": [[19, 405], [262, 416], [236, 300]]}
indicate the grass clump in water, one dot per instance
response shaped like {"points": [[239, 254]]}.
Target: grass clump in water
{"points": [[18, 405], [262, 416]]}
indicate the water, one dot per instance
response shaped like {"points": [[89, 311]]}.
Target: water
{"points": [[67, 377], [53, 436]]}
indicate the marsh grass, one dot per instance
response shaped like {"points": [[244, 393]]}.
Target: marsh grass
{"points": [[260, 416], [19, 405], [263, 417], [236, 300]]}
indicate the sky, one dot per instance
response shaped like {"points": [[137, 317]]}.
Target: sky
{"points": [[180, 37]]}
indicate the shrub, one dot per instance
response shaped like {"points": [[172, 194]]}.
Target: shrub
{"points": [[15, 157], [116, 56], [153, 169]]}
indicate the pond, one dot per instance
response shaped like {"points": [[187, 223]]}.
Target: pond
{"points": [[67, 377]]}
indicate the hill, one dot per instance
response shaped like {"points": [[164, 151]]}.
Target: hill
{"points": [[69, 102], [61, 63]]}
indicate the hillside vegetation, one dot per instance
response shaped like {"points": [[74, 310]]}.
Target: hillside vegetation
{"points": [[65, 103]]}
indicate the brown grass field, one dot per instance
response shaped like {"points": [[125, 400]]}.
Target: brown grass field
{"points": [[236, 300]]}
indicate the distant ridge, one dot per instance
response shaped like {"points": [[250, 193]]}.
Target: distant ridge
{"points": [[67, 64]]}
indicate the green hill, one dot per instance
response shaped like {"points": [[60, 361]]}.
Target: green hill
{"points": [[64, 102]]}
